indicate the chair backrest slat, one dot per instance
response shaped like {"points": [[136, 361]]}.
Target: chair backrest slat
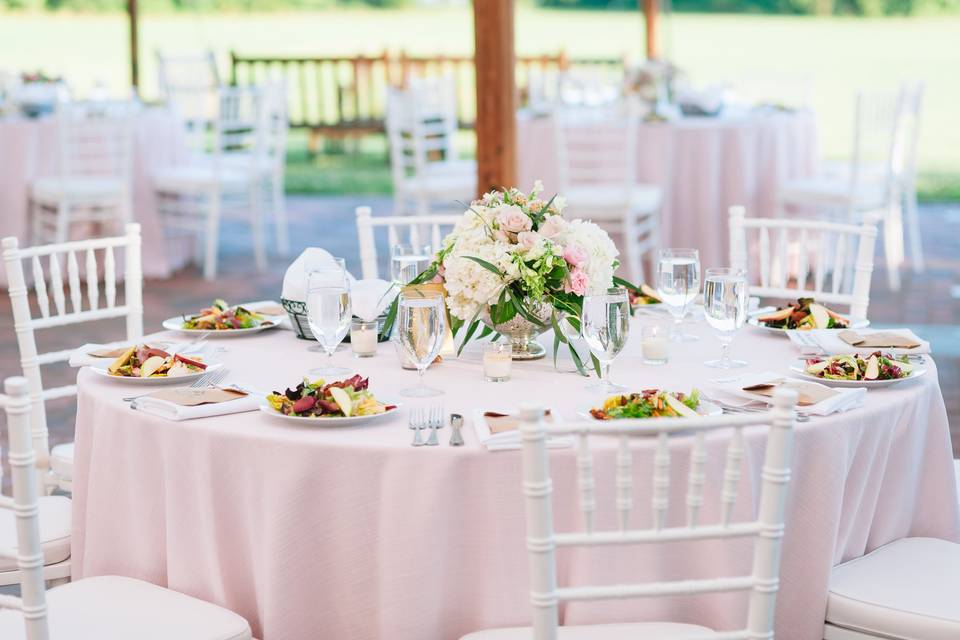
{"points": [[56, 283], [367, 223], [586, 482], [624, 482], [73, 275], [40, 287], [109, 277], [731, 476], [661, 481], [93, 281], [696, 478]]}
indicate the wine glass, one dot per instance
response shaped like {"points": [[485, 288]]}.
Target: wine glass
{"points": [[422, 326], [605, 325], [407, 261], [333, 268], [678, 281], [725, 307], [328, 314]]}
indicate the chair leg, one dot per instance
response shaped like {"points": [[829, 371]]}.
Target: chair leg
{"points": [[280, 216], [913, 230], [62, 232], [212, 235], [36, 222], [256, 226]]}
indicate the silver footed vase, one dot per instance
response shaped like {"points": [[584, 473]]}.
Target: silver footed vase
{"points": [[522, 333]]}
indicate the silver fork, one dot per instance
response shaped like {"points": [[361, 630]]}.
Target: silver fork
{"points": [[206, 380], [435, 420], [801, 417], [415, 424]]}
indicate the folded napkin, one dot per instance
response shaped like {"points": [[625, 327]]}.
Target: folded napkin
{"points": [[295, 279], [185, 403], [813, 398], [833, 342], [499, 431], [370, 298], [273, 309], [92, 353]]}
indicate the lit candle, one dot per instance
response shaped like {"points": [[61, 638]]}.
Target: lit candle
{"points": [[497, 361], [363, 338], [654, 344]]}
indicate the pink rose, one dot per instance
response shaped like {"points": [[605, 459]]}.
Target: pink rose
{"points": [[528, 239], [574, 255], [512, 219], [552, 227], [576, 282]]}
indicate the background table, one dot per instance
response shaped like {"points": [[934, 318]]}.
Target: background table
{"points": [[314, 532], [704, 166], [28, 150]]}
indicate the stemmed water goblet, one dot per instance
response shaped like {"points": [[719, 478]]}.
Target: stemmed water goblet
{"points": [[725, 307], [328, 314], [421, 326], [605, 325], [678, 281], [407, 261]]}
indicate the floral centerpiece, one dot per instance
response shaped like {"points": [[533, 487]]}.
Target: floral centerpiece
{"points": [[516, 265]]}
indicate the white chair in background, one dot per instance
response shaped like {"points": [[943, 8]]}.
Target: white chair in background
{"points": [[71, 305], [597, 174], [794, 258], [227, 181], [870, 182], [104, 607], [910, 131], [93, 181], [418, 229], [189, 85], [766, 530], [421, 130]]}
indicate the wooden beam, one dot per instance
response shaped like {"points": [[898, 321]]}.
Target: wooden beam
{"points": [[651, 10], [134, 45], [496, 94]]}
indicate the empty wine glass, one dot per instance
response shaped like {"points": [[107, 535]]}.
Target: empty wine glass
{"points": [[678, 281], [328, 314], [605, 325], [422, 326], [725, 307], [407, 261]]}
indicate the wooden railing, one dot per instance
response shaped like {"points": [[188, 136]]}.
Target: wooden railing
{"points": [[343, 96]]}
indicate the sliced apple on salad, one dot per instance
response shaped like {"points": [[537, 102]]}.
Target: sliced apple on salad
{"points": [[804, 314], [876, 366]]}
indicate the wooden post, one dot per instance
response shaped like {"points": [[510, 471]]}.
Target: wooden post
{"points": [[134, 45], [496, 94], [650, 16]]}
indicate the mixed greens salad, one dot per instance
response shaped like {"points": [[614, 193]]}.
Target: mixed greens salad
{"points": [[643, 295], [876, 366], [222, 317], [343, 399], [649, 403], [143, 361], [804, 314]]}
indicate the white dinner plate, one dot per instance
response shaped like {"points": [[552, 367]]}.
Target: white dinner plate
{"points": [[329, 422], [176, 324], [869, 384], [706, 408], [855, 323], [190, 377]]}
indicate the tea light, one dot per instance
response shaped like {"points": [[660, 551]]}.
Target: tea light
{"points": [[497, 361], [363, 338], [654, 343]]}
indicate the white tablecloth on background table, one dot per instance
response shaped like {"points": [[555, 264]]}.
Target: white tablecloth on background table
{"points": [[28, 150], [313, 532], [704, 165]]}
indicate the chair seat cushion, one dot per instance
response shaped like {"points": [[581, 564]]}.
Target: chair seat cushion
{"points": [[833, 191], [61, 460], [198, 176], [116, 608], [636, 631], [90, 190], [54, 532], [907, 589], [603, 202]]}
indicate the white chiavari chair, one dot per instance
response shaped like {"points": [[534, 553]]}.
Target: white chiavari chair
{"points": [[227, 181], [104, 607], [189, 84], [766, 530], [421, 130], [910, 132], [411, 229], [870, 182], [794, 258], [70, 304], [93, 182], [597, 172]]}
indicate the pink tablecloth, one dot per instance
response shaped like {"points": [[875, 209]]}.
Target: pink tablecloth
{"points": [[351, 533], [28, 149], [704, 166]]}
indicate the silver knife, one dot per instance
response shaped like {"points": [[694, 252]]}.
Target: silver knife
{"points": [[456, 423]]}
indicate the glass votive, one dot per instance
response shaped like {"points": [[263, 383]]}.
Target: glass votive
{"points": [[363, 338], [497, 361], [655, 343]]}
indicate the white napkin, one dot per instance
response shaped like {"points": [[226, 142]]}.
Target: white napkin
{"points": [[294, 281], [282, 321], [171, 411], [508, 440], [828, 341], [81, 355], [370, 298], [732, 394]]}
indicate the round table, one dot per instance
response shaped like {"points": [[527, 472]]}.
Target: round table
{"points": [[703, 164], [28, 150], [313, 532]]}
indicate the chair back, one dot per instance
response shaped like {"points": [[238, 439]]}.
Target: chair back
{"points": [[596, 147], [908, 134], [798, 258], [95, 140], [412, 229], [273, 125], [26, 507], [421, 126], [63, 264], [766, 529], [188, 84], [878, 150], [591, 86]]}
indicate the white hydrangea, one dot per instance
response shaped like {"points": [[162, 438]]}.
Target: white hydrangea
{"points": [[468, 284], [600, 250]]}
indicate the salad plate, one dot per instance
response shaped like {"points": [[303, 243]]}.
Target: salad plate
{"points": [[653, 403], [334, 404], [183, 373], [803, 315], [223, 320], [853, 370]]}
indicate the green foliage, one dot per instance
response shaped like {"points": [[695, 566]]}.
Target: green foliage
{"points": [[789, 7]]}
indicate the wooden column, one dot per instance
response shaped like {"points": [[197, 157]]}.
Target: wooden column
{"points": [[134, 45], [496, 94], [651, 11]]}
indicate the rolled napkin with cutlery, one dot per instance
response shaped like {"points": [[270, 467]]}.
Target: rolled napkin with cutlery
{"points": [[186, 403], [500, 430], [813, 398], [863, 341]]}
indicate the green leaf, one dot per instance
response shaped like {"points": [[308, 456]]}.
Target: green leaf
{"points": [[473, 327], [577, 361], [596, 364], [390, 319], [486, 331], [486, 265], [620, 282]]}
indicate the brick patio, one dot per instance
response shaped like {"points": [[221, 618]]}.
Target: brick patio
{"points": [[929, 302]]}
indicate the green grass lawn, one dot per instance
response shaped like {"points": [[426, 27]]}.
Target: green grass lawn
{"points": [[841, 54]]}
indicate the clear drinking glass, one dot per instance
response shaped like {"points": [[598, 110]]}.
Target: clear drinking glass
{"points": [[421, 326], [328, 314], [678, 281], [605, 326], [333, 269], [725, 307], [407, 261]]}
